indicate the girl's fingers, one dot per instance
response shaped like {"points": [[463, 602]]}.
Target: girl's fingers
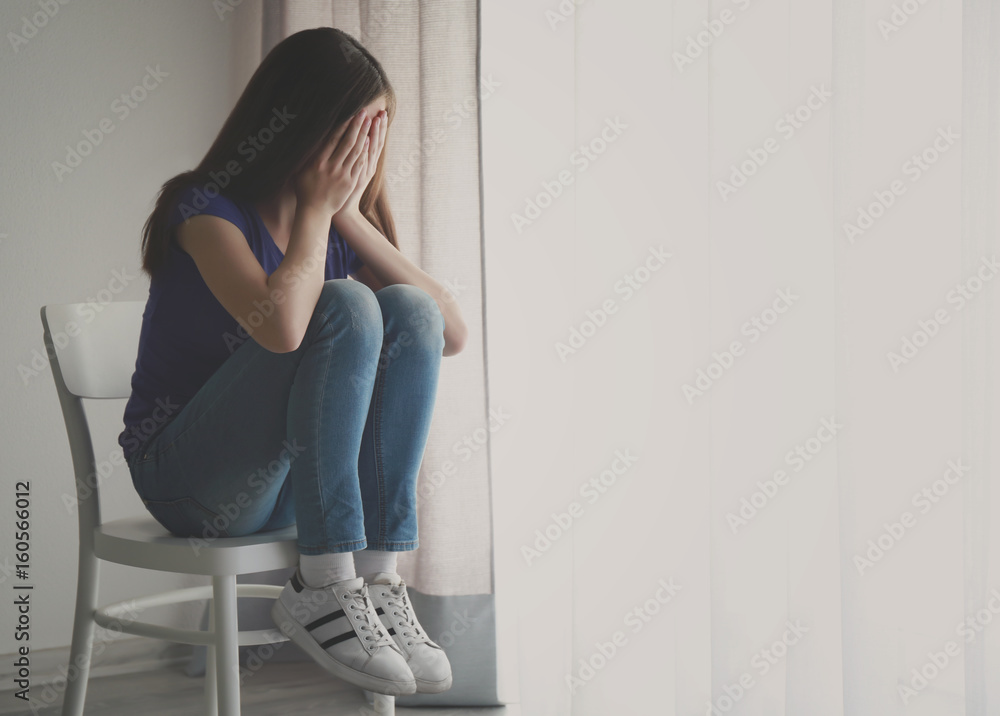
{"points": [[381, 137], [377, 140], [330, 146], [350, 143], [361, 141], [361, 161], [373, 145]]}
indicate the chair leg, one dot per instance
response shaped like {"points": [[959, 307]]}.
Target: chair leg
{"points": [[78, 670], [211, 683], [227, 666], [385, 705]]}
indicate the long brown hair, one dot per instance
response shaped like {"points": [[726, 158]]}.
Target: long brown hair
{"points": [[306, 86]]}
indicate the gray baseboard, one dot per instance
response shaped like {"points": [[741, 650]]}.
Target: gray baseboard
{"points": [[121, 655]]}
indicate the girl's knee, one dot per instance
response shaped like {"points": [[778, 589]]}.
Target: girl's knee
{"points": [[411, 309], [354, 297]]}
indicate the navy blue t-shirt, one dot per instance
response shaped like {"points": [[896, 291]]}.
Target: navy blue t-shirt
{"points": [[186, 333]]}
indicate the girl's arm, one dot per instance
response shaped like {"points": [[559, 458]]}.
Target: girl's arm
{"points": [[275, 310], [388, 266]]}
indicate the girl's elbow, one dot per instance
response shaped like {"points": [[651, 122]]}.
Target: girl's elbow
{"points": [[455, 339], [283, 339]]}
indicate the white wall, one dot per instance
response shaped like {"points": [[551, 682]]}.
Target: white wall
{"points": [[65, 239]]}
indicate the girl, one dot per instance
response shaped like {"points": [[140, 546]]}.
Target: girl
{"points": [[270, 389]]}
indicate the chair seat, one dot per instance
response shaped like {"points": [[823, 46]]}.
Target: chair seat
{"points": [[144, 542]]}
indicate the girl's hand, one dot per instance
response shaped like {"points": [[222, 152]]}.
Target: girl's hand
{"points": [[374, 150], [330, 177]]}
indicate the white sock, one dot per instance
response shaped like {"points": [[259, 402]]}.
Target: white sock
{"points": [[319, 570], [368, 562]]}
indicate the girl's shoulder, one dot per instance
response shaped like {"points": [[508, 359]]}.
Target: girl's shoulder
{"points": [[195, 199]]}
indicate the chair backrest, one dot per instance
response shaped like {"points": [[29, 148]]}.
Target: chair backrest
{"points": [[92, 351], [95, 346]]}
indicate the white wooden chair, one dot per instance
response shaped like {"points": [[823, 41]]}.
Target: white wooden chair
{"points": [[92, 355]]}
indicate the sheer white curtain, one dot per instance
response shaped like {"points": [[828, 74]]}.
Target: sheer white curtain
{"points": [[824, 497]]}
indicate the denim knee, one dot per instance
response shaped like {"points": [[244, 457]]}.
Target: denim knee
{"points": [[341, 297], [411, 310]]}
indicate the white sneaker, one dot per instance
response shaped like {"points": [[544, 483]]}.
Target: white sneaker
{"points": [[428, 662], [338, 627]]}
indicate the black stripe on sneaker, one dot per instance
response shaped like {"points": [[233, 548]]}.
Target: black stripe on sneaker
{"points": [[379, 610], [325, 619], [391, 631], [337, 639], [296, 584]]}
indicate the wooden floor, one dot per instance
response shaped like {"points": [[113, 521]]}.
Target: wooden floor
{"points": [[276, 689]]}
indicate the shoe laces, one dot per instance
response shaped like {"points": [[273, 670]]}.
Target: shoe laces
{"points": [[407, 625], [358, 601]]}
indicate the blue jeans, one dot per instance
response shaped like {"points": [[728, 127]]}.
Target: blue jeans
{"points": [[329, 436]]}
